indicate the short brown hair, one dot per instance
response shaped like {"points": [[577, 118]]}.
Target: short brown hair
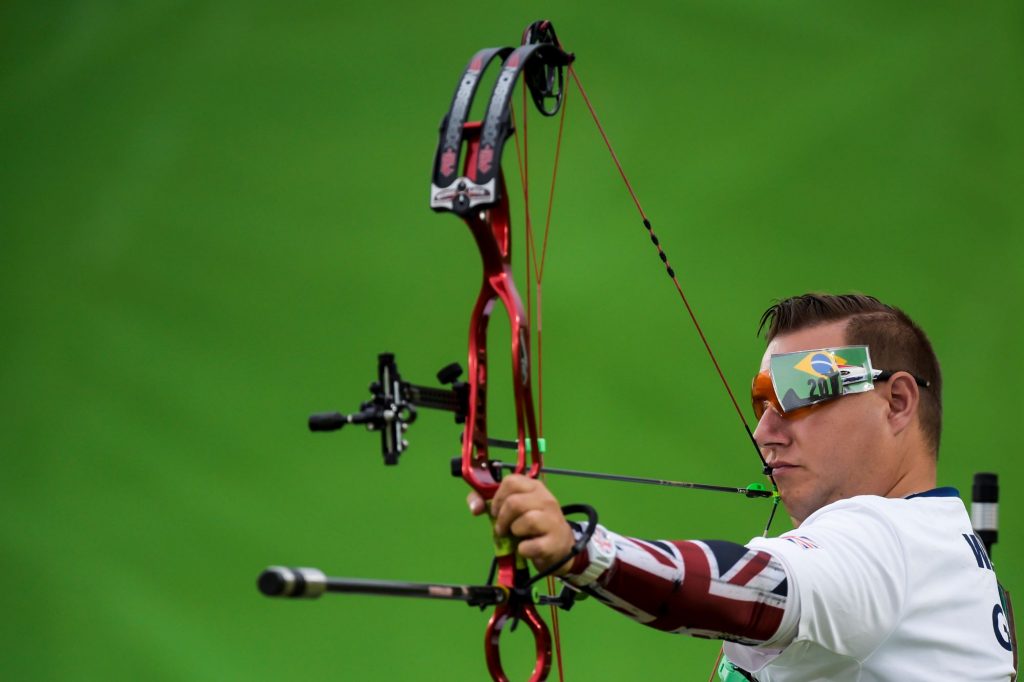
{"points": [[896, 342]]}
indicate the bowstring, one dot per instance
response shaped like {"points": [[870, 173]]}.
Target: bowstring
{"points": [[671, 273], [675, 280], [535, 273]]}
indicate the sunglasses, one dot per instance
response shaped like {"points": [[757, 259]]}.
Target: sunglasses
{"points": [[808, 379]]}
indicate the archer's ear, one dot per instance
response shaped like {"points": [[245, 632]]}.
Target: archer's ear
{"points": [[904, 395]]}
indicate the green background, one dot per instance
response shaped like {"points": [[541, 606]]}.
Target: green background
{"points": [[215, 215]]}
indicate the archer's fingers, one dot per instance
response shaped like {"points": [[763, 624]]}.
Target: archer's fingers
{"points": [[526, 514], [549, 548], [543, 523], [513, 486], [477, 506]]}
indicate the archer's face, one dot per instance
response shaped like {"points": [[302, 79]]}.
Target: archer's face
{"points": [[837, 450]]}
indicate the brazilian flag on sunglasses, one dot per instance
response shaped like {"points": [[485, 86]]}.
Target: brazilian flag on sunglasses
{"points": [[810, 377], [796, 382]]}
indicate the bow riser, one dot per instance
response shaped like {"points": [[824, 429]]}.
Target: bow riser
{"points": [[491, 230]]}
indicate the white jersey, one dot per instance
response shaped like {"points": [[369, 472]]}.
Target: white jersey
{"points": [[885, 589]]}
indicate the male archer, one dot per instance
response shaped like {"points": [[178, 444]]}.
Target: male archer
{"points": [[882, 577]]}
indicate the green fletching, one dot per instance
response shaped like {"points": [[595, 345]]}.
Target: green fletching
{"points": [[762, 488]]}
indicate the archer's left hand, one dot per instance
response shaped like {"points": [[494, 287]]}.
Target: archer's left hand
{"points": [[525, 509]]}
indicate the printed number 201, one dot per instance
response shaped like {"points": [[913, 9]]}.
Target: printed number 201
{"points": [[819, 388]]}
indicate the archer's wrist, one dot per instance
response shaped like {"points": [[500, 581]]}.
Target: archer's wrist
{"points": [[596, 559]]}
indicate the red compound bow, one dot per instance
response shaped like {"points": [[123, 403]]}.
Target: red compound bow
{"points": [[477, 194]]}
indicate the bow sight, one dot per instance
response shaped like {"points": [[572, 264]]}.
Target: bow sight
{"points": [[393, 406]]}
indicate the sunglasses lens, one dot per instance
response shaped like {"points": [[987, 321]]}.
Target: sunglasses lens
{"points": [[762, 393]]}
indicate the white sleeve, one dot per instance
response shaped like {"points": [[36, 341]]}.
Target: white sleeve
{"points": [[847, 568]]}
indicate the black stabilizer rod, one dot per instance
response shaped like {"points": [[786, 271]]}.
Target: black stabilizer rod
{"points": [[297, 583]]}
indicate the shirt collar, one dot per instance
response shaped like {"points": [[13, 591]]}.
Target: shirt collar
{"points": [[946, 491]]}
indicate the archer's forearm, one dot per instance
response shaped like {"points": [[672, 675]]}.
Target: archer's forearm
{"points": [[711, 589]]}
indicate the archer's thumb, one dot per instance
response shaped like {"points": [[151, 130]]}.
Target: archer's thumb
{"points": [[475, 503]]}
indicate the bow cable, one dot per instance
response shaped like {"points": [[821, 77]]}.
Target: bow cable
{"points": [[534, 282]]}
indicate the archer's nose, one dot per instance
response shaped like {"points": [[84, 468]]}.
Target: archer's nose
{"points": [[771, 429]]}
